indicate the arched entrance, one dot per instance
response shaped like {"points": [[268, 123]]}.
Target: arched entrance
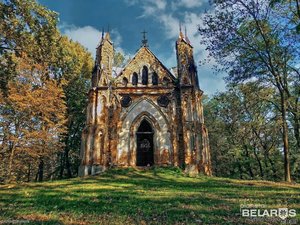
{"points": [[131, 121], [144, 138]]}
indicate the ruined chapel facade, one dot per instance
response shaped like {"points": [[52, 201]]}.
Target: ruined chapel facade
{"points": [[144, 114]]}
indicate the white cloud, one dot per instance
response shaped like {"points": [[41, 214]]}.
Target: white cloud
{"points": [[190, 23], [117, 40], [90, 37], [131, 2], [188, 3], [166, 15], [160, 4], [157, 9], [170, 24], [151, 7], [209, 82], [116, 37]]}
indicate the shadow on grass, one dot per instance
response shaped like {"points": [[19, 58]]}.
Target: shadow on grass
{"points": [[136, 197]]}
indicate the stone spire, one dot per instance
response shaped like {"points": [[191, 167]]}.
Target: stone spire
{"points": [[181, 36], [104, 59], [185, 36]]}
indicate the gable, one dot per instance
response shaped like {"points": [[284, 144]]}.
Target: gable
{"points": [[144, 58]]}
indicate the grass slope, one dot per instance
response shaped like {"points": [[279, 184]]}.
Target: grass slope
{"points": [[128, 196]]}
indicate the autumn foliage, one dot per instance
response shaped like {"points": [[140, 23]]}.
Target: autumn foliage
{"points": [[38, 68]]}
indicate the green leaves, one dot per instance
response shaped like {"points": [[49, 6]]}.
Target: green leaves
{"points": [[244, 133], [44, 82], [256, 41]]}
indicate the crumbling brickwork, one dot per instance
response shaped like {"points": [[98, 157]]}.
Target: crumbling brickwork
{"points": [[144, 115]]}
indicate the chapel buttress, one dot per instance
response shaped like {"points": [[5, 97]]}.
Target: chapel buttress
{"points": [[143, 114]]}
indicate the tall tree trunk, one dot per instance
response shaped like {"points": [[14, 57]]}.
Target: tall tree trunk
{"points": [[41, 170], [297, 133], [65, 161], [248, 163], [287, 171], [259, 163], [29, 172], [240, 170], [272, 166], [62, 165], [68, 164], [296, 126], [266, 164], [11, 160]]}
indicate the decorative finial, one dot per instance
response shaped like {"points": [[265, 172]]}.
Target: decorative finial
{"points": [[185, 35], [144, 41], [102, 33], [107, 35], [180, 31]]}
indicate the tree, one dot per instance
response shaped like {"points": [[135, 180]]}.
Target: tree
{"points": [[74, 66], [119, 59], [292, 10], [250, 40], [26, 27], [34, 117], [34, 55], [28, 40], [244, 134]]}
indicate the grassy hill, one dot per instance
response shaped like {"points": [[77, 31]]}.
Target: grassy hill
{"points": [[157, 196]]}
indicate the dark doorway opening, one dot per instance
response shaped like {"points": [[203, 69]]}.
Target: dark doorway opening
{"points": [[144, 152]]}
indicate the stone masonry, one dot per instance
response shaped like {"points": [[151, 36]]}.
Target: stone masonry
{"points": [[144, 115]]}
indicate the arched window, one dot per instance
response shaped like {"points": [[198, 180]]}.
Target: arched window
{"points": [[134, 78], [145, 75], [154, 78]]}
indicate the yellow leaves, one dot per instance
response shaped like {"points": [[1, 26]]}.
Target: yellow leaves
{"points": [[30, 70], [41, 114], [41, 64]]}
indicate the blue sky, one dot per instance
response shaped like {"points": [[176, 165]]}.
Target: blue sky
{"points": [[83, 21]]}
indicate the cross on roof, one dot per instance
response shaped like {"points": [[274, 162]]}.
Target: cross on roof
{"points": [[144, 41]]}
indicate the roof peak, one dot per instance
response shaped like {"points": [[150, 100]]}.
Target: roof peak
{"points": [[151, 53], [107, 36]]}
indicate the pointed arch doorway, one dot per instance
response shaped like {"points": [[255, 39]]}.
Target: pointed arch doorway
{"points": [[144, 138]]}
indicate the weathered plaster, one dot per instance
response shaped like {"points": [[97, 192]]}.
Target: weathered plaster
{"points": [[180, 137]]}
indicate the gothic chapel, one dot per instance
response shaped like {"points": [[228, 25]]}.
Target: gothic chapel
{"points": [[145, 114]]}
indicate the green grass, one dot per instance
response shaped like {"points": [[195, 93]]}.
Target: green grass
{"points": [[128, 196]]}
